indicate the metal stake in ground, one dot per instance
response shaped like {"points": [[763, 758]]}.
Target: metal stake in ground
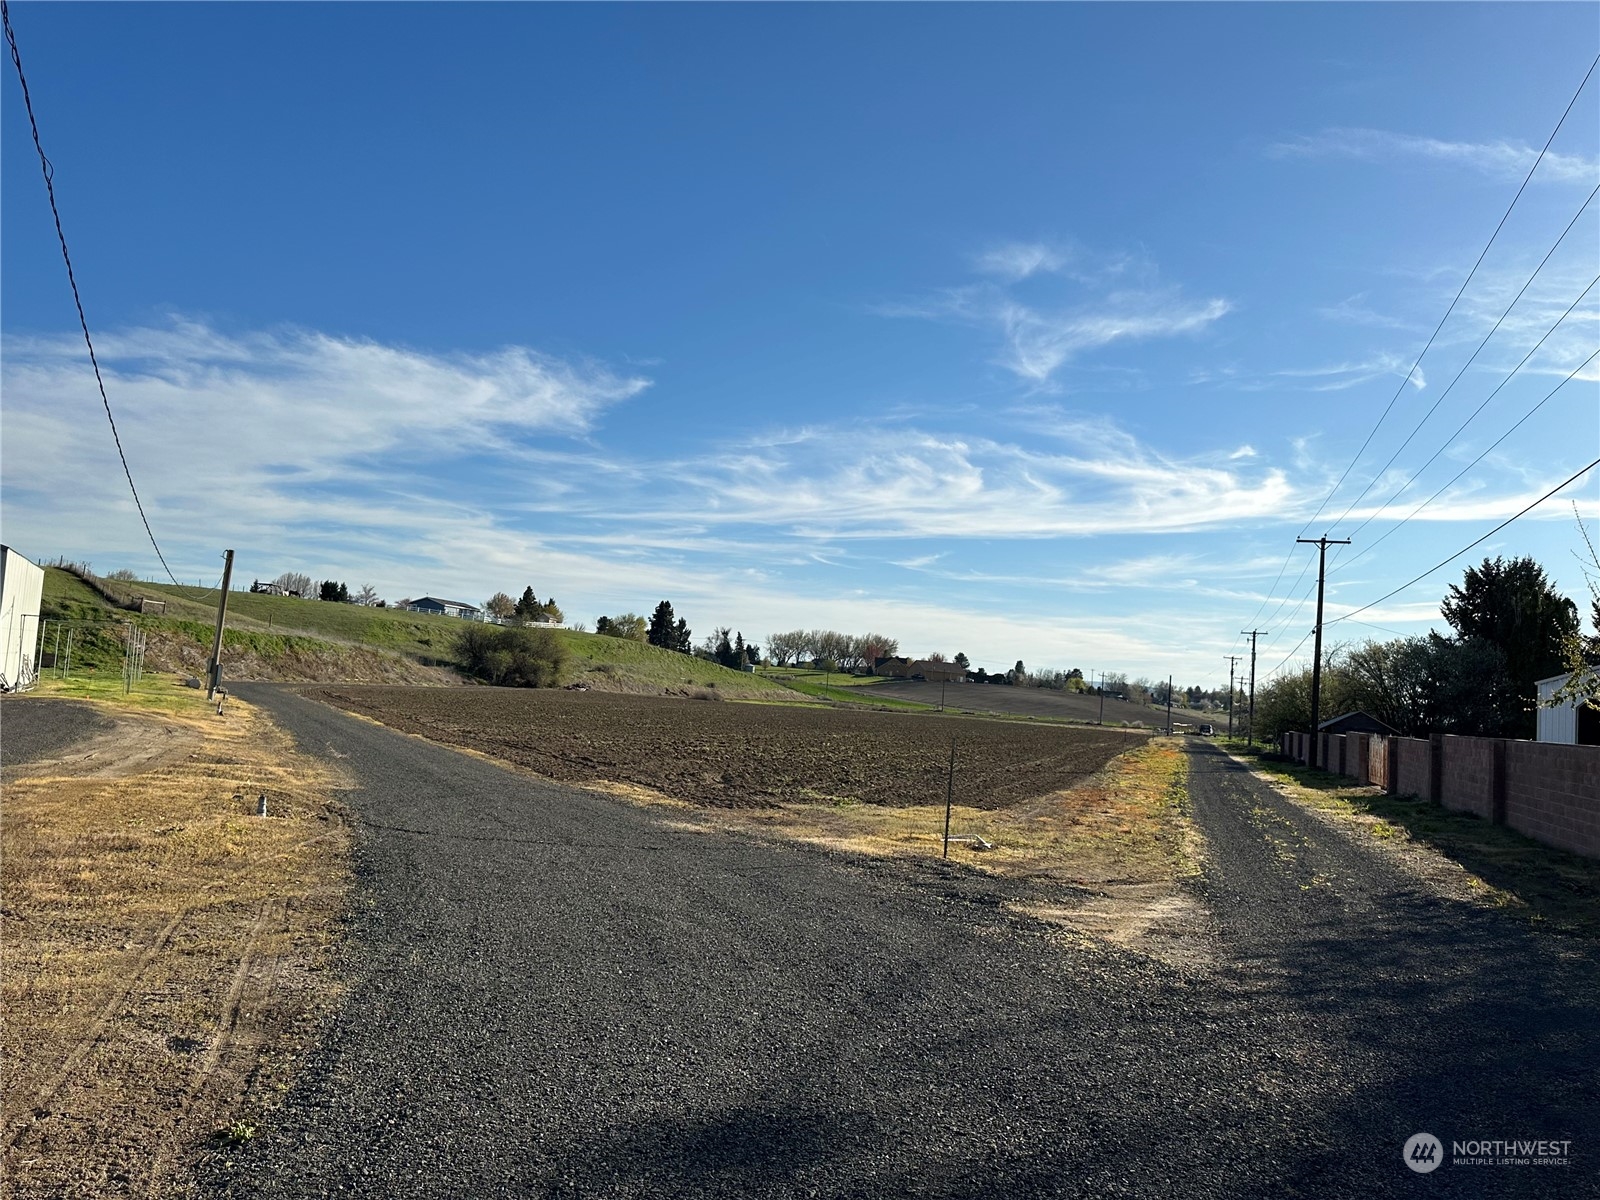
{"points": [[215, 669], [949, 793]]}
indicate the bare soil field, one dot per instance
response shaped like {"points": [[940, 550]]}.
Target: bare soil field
{"points": [[1037, 702], [723, 755]]}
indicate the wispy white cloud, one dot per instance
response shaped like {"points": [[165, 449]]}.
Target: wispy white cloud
{"points": [[908, 483], [1354, 310], [1337, 377], [1039, 343], [1015, 261], [1501, 159], [1096, 310]]}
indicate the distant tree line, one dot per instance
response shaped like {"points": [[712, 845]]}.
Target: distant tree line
{"points": [[846, 652], [299, 584]]}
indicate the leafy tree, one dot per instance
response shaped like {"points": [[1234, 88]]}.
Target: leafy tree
{"points": [[500, 606], [630, 626], [1512, 607], [527, 607], [662, 632], [962, 661], [512, 657]]}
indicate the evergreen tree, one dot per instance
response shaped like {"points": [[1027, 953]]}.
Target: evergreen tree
{"points": [[661, 631], [682, 637], [527, 608]]}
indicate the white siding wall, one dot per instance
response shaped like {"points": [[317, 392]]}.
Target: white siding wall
{"points": [[21, 588], [1558, 724]]}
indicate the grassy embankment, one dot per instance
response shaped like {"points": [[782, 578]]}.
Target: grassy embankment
{"points": [[1546, 885], [165, 945], [280, 637]]}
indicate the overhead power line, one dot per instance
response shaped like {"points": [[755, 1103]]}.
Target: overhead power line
{"points": [[50, 191], [1434, 336], [1484, 454], [1473, 358], [1447, 560], [1459, 291]]}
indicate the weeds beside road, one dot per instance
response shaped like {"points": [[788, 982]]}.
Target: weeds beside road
{"points": [[1498, 865]]}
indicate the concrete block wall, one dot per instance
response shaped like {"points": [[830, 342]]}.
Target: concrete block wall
{"points": [[1415, 776], [1469, 777], [1548, 791], [1553, 794], [1356, 748]]}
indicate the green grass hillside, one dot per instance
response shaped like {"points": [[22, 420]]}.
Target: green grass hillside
{"points": [[284, 637]]}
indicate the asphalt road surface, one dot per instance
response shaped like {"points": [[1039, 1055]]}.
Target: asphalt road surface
{"points": [[32, 729], [559, 995]]}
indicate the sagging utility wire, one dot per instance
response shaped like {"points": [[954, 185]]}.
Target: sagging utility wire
{"points": [[50, 191]]}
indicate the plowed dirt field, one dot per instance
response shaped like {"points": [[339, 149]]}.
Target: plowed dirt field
{"points": [[726, 755]]}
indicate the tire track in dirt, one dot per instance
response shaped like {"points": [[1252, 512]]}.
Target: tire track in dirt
{"points": [[93, 1036], [236, 1036]]}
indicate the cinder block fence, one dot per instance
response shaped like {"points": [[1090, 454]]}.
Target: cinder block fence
{"points": [[1550, 792]]}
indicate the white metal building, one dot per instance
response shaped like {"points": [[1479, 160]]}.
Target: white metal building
{"points": [[1560, 723], [21, 588]]}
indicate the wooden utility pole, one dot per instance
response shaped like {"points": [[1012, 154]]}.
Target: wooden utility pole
{"points": [[1322, 544], [1169, 705], [1252, 634], [1232, 659], [214, 670], [1102, 697]]}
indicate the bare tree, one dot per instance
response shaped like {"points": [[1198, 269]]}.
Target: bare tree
{"points": [[294, 583], [367, 597]]}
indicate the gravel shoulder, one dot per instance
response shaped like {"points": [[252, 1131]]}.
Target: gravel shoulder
{"points": [[33, 729], [558, 994]]}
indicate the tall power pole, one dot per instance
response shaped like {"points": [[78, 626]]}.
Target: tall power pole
{"points": [[1169, 705], [215, 668], [1252, 634], [1322, 544], [1232, 659]]}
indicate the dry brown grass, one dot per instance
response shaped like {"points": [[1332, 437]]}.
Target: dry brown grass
{"points": [[164, 947]]}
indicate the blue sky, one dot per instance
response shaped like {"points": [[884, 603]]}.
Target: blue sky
{"points": [[1031, 332]]}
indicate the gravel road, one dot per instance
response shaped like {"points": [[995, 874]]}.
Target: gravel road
{"points": [[555, 994], [32, 729]]}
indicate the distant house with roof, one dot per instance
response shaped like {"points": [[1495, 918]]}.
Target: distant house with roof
{"points": [[919, 668], [1356, 722], [444, 608]]}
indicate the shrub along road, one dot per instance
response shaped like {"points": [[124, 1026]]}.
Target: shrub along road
{"points": [[555, 994]]}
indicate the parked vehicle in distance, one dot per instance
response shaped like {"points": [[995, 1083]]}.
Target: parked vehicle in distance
{"points": [[1206, 731]]}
